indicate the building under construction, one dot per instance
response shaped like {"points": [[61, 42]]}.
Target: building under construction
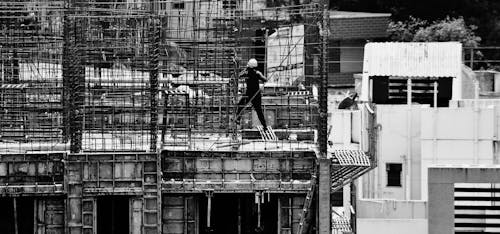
{"points": [[119, 117]]}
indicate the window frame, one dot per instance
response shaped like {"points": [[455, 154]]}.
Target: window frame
{"points": [[389, 167]]}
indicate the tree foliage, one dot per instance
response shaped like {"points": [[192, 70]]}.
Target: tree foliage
{"points": [[485, 14], [448, 29]]}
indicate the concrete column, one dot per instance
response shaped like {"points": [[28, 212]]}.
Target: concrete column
{"points": [[440, 205], [440, 208], [324, 188]]}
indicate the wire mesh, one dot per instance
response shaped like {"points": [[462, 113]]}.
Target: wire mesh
{"points": [[30, 73], [100, 75]]}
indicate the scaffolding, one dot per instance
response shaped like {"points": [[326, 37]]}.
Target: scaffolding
{"points": [[126, 112], [93, 76]]}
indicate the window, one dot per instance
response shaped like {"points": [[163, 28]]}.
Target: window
{"points": [[178, 5], [394, 174], [393, 90]]}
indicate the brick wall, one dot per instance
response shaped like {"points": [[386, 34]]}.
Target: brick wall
{"points": [[358, 28], [351, 33]]}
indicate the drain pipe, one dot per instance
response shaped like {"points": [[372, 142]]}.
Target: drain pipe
{"points": [[259, 199], [434, 124], [476, 123], [16, 231], [209, 194], [408, 143]]}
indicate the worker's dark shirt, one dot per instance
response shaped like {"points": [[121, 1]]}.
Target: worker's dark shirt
{"points": [[252, 78]]}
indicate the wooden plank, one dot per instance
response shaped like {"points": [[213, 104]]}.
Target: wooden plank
{"points": [[180, 214], [54, 215], [136, 215]]}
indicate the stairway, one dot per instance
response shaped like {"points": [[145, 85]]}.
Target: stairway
{"points": [[267, 134], [348, 165]]}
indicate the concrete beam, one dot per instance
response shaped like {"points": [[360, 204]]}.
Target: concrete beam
{"points": [[324, 188]]}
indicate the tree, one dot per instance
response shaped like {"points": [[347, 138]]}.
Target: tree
{"points": [[483, 13], [448, 29], [405, 30]]}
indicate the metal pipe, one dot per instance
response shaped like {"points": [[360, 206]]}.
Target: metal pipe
{"points": [[409, 145], [434, 125], [435, 94], [16, 231], [476, 122], [258, 215], [209, 208], [239, 215]]}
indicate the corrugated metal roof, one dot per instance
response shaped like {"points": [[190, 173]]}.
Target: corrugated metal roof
{"points": [[355, 14], [413, 59]]}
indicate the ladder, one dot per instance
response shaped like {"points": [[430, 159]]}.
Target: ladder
{"points": [[267, 134], [89, 214], [307, 203], [151, 198]]}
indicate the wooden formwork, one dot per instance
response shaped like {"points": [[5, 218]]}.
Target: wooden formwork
{"points": [[178, 207], [131, 175], [187, 213], [31, 174], [180, 214], [32, 184], [195, 171]]}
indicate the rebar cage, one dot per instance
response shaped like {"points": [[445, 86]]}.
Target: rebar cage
{"points": [[102, 75]]}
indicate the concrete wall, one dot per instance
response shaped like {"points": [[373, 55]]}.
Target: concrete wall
{"points": [[391, 216], [392, 148], [457, 136], [439, 136], [346, 129], [391, 226], [391, 209]]}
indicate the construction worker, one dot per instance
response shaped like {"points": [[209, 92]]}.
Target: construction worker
{"points": [[253, 93]]}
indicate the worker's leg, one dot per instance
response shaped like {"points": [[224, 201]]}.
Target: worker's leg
{"points": [[257, 105]]}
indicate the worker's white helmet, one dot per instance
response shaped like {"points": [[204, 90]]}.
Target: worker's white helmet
{"points": [[252, 63]]}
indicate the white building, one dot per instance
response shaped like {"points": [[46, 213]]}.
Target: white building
{"points": [[414, 134]]}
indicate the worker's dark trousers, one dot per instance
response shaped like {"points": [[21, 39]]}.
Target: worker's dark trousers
{"points": [[257, 106]]}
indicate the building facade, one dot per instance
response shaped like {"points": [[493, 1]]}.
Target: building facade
{"points": [[114, 121]]}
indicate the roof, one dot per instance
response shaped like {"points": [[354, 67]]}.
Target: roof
{"points": [[466, 166], [413, 59], [487, 71], [352, 14], [346, 25]]}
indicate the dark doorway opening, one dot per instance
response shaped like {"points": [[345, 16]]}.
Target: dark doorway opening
{"points": [[233, 214], [17, 213], [112, 215]]}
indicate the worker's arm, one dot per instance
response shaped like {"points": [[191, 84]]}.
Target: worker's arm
{"points": [[261, 77]]}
